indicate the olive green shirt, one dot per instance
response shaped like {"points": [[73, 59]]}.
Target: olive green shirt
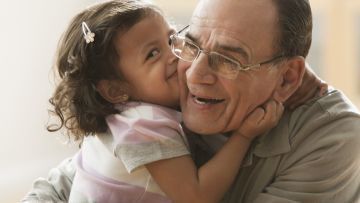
{"points": [[313, 155]]}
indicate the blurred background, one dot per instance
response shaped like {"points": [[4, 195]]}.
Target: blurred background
{"points": [[29, 33]]}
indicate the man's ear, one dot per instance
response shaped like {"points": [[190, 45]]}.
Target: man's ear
{"points": [[114, 91], [292, 72]]}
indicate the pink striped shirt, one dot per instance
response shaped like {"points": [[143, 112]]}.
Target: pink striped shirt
{"points": [[110, 167]]}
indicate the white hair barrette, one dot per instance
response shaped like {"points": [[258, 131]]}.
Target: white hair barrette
{"points": [[88, 35]]}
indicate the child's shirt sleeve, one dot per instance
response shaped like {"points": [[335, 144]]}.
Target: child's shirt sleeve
{"points": [[147, 133]]}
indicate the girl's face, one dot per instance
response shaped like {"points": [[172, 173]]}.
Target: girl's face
{"points": [[147, 63]]}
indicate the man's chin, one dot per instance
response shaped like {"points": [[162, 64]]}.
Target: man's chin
{"points": [[202, 128]]}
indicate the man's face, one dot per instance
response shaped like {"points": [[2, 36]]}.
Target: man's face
{"points": [[243, 30]]}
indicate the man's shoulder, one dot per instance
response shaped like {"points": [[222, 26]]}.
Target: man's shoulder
{"points": [[319, 145], [322, 111], [326, 121], [335, 103]]}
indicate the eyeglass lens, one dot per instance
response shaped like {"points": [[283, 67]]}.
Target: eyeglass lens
{"points": [[188, 52], [184, 50]]}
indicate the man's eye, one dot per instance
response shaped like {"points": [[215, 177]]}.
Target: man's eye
{"points": [[153, 53]]}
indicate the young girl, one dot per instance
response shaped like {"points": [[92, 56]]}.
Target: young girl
{"points": [[118, 94]]}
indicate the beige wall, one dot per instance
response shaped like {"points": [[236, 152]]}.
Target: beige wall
{"points": [[341, 45], [179, 11], [28, 37]]}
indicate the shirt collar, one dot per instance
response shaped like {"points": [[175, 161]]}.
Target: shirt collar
{"points": [[272, 143], [276, 141]]}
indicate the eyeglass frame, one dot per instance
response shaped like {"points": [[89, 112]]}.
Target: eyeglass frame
{"points": [[200, 50]]}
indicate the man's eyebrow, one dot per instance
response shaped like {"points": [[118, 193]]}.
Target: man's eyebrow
{"points": [[192, 38], [238, 50]]}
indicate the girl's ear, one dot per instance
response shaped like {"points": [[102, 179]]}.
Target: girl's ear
{"points": [[291, 78], [113, 91]]}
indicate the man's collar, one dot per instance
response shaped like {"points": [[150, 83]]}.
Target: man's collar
{"points": [[273, 143], [276, 141]]}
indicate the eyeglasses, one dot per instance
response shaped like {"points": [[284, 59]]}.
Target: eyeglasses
{"points": [[225, 66]]}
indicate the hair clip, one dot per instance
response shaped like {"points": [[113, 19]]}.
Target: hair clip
{"points": [[88, 35], [124, 98]]}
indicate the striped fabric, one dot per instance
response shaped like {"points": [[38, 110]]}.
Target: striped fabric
{"points": [[110, 167]]}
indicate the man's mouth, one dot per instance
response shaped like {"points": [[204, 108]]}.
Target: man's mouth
{"points": [[204, 101]]}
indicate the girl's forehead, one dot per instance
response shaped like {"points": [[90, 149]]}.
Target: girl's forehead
{"points": [[149, 30]]}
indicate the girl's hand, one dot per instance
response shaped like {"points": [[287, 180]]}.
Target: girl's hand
{"points": [[261, 120], [210, 182], [312, 86]]}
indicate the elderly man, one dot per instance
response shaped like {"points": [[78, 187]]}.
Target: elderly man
{"points": [[236, 55], [244, 52]]}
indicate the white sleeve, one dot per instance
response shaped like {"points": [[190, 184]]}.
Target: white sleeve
{"points": [[56, 188], [154, 141]]}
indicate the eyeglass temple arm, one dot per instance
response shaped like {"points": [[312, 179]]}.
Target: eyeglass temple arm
{"points": [[262, 63], [271, 60], [182, 29]]}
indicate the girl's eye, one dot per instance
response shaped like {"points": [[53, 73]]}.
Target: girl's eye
{"points": [[153, 53], [169, 41]]}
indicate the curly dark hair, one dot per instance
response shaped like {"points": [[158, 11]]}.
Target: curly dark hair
{"points": [[80, 66]]}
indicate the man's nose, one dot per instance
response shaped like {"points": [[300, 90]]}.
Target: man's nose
{"points": [[200, 72]]}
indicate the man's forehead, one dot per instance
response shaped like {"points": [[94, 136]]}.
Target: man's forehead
{"points": [[250, 24], [233, 11]]}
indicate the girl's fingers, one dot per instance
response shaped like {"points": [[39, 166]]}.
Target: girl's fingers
{"points": [[256, 116], [273, 112]]}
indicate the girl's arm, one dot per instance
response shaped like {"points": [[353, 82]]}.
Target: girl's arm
{"points": [[183, 182]]}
